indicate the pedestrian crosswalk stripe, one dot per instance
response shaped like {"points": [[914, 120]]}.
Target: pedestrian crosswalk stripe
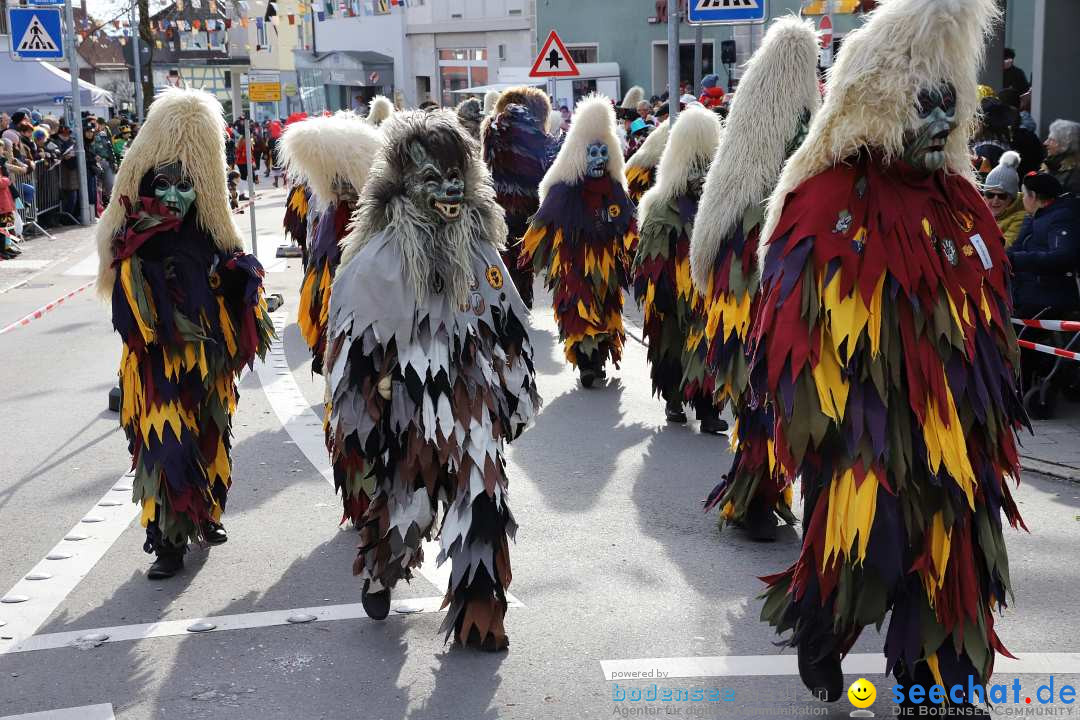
{"points": [[726, 4], [86, 712]]}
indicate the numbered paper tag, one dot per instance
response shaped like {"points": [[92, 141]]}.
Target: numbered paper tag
{"points": [[984, 253]]}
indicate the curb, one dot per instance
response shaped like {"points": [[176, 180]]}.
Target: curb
{"points": [[1051, 469]]}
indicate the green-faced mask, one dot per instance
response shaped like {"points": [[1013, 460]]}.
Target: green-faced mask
{"points": [[174, 189], [924, 145]]}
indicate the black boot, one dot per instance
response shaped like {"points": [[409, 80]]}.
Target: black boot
{"points": [[170, 560], [214, 533], [709, 416], [591, 369], [673, 411], [760, 523], [376, 605], [819, 668]]}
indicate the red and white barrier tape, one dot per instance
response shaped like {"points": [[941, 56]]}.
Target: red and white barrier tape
{"points": [[1058, 325], [1049, 350], [44, 309]]}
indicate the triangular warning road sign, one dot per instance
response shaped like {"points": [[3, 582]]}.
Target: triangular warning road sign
{"points": [[554, 60], [36, 38]]}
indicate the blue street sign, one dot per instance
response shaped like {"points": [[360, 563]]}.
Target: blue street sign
{"points": [[727, 12], [36, 33]]}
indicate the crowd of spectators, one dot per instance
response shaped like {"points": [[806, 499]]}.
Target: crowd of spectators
{"points": [[32, 144]]}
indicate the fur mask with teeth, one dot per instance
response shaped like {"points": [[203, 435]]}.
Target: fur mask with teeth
{"points": [[924, 145], [435, 183]]}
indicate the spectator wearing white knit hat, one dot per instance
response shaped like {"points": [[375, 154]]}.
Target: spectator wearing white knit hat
{"points": [[1002, 193]]}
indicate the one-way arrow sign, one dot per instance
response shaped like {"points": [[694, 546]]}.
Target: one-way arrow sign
{"points": [[554, 60]]}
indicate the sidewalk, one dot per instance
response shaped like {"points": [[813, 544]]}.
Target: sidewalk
{"points": [[1055, 448]]}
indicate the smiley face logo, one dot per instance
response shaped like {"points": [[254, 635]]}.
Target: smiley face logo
{"points": [[862, 693]]}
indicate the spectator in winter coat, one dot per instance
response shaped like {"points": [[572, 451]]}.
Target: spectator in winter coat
{"points": [[1002, 193], [1046, 256], [1063, 154], [712, 94], [1012, 76]]}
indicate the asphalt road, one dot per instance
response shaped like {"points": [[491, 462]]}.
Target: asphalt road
{"points": [[614, 559]]}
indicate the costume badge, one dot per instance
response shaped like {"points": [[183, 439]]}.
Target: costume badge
{"points": [[477, 304], [967, 250], [613, 212], [984, 252], [967, 223], [494, 277], [437, 284], [843, 222], [949, 248]]}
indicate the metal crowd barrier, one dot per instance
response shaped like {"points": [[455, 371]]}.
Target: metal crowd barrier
{"points": [[40, 193]]}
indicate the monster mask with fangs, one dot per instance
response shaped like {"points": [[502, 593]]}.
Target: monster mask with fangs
{"points": [[429, 373]]}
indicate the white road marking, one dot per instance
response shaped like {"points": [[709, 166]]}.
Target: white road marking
{"points": [[243, 621], [24, 264], [79, 552], [305, 429], [773, 665], [87, 267], [86, 712], [67, 563]]}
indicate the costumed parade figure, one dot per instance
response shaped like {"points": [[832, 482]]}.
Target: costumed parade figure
{"points": [[671, 304], [515, 149], [891, 360], [777, 96], [380, 110], [490, 98], [297, 209], [331, 156], [430, 372], [641, 167], [469, 115], [188, 304], [576, 238], [554, 127]]}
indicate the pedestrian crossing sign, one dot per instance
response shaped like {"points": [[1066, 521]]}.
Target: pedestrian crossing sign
{"points": [[36, 33], [727, 12]]}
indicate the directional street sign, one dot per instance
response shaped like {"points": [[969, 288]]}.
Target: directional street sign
{"points": [[728, 12], [36, 33], [554, 60]]}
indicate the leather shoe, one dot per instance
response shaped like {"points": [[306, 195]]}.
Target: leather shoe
{"points": [[214, 533], [376, 605]]}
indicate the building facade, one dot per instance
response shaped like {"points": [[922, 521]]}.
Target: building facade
{"points": [[200, 44], [630, 33], [274, 32], [414, 51]]}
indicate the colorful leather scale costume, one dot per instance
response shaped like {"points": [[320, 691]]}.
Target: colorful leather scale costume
{"points": [[891, 359], [779, 83], [576, 238], [515, 149], [430, 372], [188, 304], [672, 306], [332, 155]]}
